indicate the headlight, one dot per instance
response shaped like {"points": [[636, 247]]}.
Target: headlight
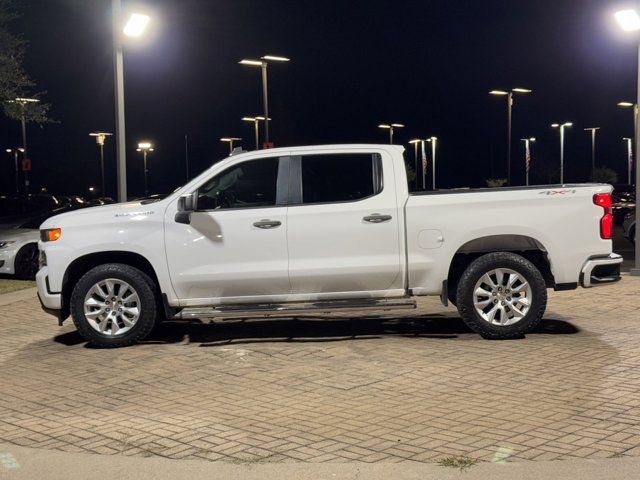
{"points": [[6, 243]]}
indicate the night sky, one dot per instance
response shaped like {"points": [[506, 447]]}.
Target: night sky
{"points": [[428, 64]]}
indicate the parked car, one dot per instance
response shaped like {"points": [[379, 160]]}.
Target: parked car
{"points": [[17, 209], [629, 226], [19, 246], [624, 201], [320, 229]]}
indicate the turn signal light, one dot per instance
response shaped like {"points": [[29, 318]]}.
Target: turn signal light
{"points": [[50, 234], [606, 222]]}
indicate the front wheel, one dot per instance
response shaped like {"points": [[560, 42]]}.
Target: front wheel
{"points": [[26, 262], [501, 295], [114, 305]]}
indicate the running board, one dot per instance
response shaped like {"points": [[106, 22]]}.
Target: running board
{"points": [[289, 309]]}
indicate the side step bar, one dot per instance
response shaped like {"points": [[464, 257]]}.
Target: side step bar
{"points": [[291, 309]]}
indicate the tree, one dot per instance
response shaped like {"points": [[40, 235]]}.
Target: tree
{"points": [[604, 175], [14, 81]]}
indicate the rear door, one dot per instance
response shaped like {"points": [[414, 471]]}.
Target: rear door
{"points": [[343, 224]]}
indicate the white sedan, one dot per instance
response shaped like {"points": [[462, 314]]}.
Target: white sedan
{"points": [[19, 251], [19, 245]]}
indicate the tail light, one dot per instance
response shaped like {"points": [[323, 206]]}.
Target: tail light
{"points": [[606, 222]]}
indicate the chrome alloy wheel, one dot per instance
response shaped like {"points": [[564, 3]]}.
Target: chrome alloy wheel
{"points": [[502, 297], [112, 307]]}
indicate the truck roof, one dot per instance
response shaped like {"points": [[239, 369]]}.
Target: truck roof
{"points": [[302, 148]]}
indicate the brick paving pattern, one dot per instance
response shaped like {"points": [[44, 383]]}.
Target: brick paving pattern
{"points": [[414, 385]]}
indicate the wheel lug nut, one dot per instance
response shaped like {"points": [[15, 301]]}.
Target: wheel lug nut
{"points": [[495, 300], [503, 302]]}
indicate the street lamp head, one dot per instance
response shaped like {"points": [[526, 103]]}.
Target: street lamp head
{"points": [[498, 92], [521, 90], [21, 150], [626, 104], [567, 124], [230, 139], [136, 25], [8, 150], [555, 125], [414, 141], [629, 20], [532, 139], [397, 125], [26, 100], [249, 119], [275, 58], [253, 63], [384, 125], [591, 129]]}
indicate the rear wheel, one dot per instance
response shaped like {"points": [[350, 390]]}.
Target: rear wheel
{"points": [[114, 305], [26, 262], [501, 295]]}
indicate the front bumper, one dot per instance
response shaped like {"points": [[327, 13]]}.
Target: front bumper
{"points": [[49, 301], [601, 270]]}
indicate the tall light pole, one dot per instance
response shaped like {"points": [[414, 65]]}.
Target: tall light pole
{"points": [[594, 131], [256, 127], [23, 120], [629, 158], [509, 95], [230, 141], [391, 127], [15, 151], [145, 148], [263, 63], [100, 138], [527, 157], [561, 127], [433, 141], [134, 27], [634, 107], [629, 21]]}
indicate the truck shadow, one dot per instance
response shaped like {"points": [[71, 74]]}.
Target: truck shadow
{"points": [[315, 329]]}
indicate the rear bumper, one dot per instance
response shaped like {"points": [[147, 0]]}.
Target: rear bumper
{"points": [[601, 270]]}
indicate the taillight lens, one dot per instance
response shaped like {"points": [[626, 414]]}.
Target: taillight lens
{"points": [[50, 234], [606, 222]]}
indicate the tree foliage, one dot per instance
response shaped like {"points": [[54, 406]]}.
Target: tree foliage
{"points": [[14, 80], [604, 175]]}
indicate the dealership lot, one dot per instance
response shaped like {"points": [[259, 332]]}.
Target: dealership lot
{"points": [[413, 385]]}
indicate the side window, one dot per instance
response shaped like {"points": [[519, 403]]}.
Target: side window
{"points": [[246, 185], [340, 177]]}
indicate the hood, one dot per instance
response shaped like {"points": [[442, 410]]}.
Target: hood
{"points": [[107, 213]]}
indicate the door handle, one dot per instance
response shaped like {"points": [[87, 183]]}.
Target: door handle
{"points": [[266, 224], [377, 218]]}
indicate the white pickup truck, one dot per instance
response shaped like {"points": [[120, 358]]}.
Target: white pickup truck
{"points": [[301, 230]]}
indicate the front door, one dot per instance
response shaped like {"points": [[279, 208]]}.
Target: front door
{"points": [[343, 227], [235, 247]]}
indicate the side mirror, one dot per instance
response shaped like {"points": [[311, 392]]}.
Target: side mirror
{"points": [[186, 205]]}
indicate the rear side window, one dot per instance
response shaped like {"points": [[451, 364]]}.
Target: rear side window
{"points": [[340, 177]]}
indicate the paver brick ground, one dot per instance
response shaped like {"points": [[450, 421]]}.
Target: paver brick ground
{"points": [[410, 385]]}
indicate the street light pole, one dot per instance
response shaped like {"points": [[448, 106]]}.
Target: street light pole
{"points": [[145, 147], [23, 121], [230, 141], [15, 151], [509, 95], [629, 20], [100, 138], [263, 63], [561, 128], [629, 158], [594, 131], [391, 127], [256, 127], [134, 27], [118, 66], [433, 141]]}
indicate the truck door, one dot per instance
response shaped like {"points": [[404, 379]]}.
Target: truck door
{"points": [[343, 224], [236, 243]]}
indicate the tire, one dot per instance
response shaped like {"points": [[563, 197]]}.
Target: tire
{"points": [[91, 302], [511, 317], [26, 262]]}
